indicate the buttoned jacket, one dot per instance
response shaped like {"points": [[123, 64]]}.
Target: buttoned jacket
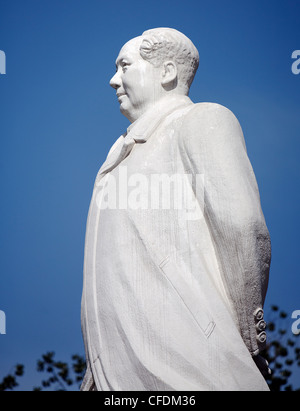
{"points": [[217, 262]]}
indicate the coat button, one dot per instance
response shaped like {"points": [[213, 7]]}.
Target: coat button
{"points": [[262, 337], [261, 325], [259, 314]]}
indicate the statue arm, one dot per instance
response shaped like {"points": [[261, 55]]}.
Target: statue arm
{"points": [[212, 144]]}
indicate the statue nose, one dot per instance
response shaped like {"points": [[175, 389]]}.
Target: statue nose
{"points": [[115, 82]]}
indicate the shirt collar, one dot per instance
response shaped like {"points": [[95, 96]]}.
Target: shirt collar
{"points": [[142, 128]]}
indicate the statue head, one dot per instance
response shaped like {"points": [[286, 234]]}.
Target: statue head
{"points": [[161, 62]]}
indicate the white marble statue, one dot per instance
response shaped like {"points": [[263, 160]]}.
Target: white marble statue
{"points": [[177, 252]]}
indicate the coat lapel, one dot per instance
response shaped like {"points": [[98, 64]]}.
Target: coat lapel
{"points": [[140, 131]]}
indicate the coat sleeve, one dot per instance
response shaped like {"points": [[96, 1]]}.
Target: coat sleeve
{"points": [[211, 143]]}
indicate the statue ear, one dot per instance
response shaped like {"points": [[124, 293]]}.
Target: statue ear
{"points": [[169, 74]]}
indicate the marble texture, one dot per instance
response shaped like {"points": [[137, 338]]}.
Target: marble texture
{"points": [[174, 291]]}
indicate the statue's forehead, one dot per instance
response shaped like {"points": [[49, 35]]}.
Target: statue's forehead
{"points": [[131, 47]]}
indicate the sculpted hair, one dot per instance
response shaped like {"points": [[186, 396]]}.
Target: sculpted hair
{"points": [[163, 44]]}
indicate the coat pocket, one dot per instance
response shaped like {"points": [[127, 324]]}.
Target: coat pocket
{"points": [[193, 302]]}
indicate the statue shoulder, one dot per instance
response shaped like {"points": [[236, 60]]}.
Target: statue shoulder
{"points": [[210, 112], [210, 120]]}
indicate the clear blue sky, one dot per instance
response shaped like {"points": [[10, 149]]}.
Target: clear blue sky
{"points": [[59, 118]]}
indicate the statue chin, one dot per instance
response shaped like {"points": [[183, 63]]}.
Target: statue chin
{"points": [[126, 113]]}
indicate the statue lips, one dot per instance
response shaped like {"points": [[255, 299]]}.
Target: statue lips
{"points": [[120, 95]]}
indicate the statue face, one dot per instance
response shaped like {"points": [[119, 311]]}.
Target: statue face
{"points": [[137, 82]]}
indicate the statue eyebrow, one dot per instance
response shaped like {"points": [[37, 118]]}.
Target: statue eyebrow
{"points": [[121, 60]]}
